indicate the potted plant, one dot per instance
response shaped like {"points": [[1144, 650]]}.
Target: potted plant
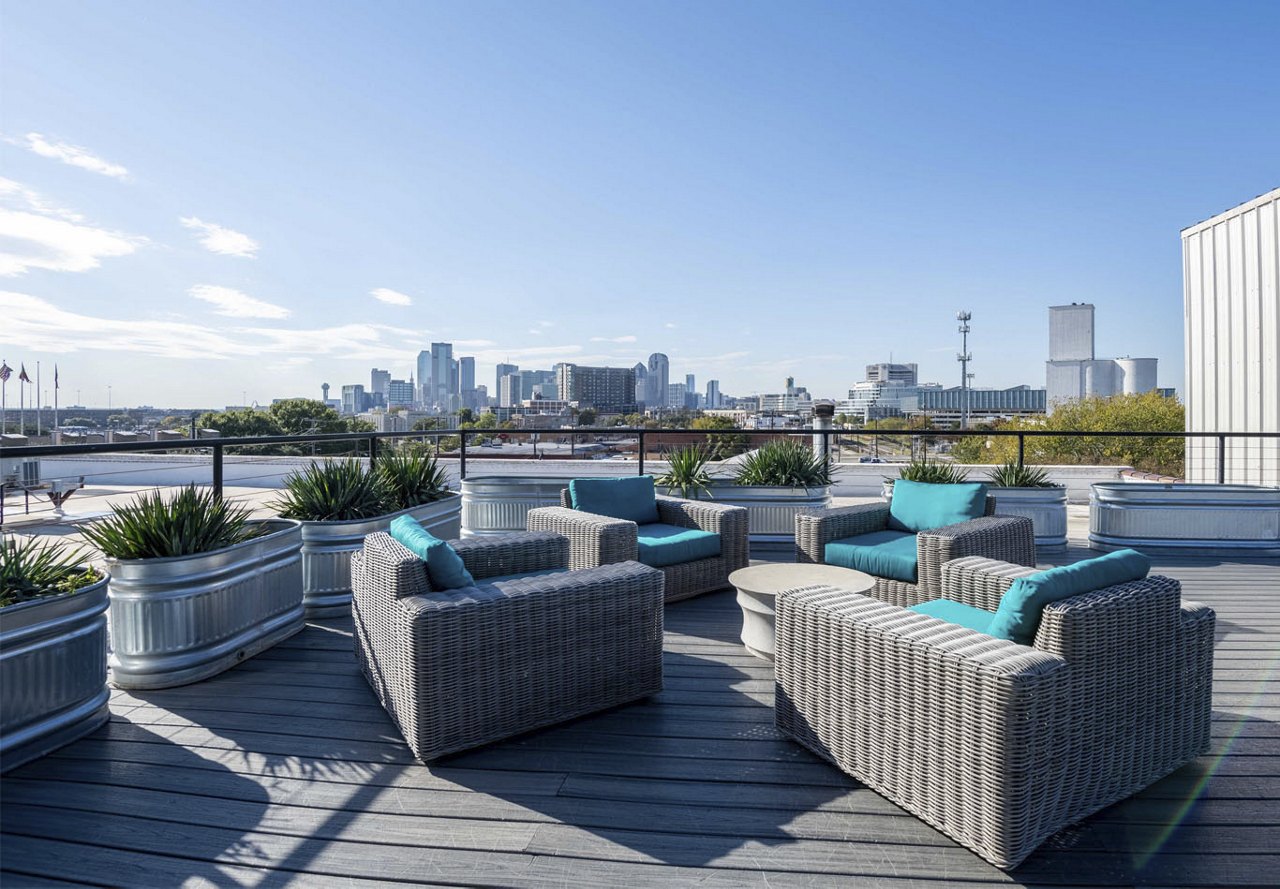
{"points": [[686, 474], [339, 502], [196, 586], [929, 473], [1022, 490], [53, 648]]}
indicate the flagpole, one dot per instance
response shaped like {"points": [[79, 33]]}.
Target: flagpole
{"points": [[4, 398], [37, 399], [22, 406], [55, 396]]}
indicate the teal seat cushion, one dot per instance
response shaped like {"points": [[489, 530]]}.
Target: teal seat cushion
{"points": [[917, 506], [661, 545], [890, 554], [631, 498], [1018, 616], [444, 565], [956, 613]]}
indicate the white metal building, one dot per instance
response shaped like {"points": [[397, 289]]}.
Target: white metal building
{"points": [[1231, 301]]}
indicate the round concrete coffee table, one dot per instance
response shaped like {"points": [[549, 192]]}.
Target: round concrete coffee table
{"points": [[758, 585]]}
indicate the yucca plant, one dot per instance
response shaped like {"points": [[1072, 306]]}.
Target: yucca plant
{"points": [[193, 521], [35, 569], [334, 491], [412, 478], [1011, 475], [688, 471], [784, 463], [933, 473]]}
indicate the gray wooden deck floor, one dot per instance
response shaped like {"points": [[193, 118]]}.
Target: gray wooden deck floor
{"points": [[285, 771]]}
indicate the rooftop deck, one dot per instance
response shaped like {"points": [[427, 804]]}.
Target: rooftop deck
{"points": [[286, 771]]}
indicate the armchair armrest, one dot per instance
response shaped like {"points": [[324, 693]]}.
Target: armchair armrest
{"points": [[729, 522], [387, 570], [978, 581], [593, 539], [816, 528], [517, 553], [1007, 538]]}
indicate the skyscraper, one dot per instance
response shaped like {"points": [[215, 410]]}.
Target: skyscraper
{"points": [[424, 378], [713, 394], [441, 384], [503, 370], [380, 382], [607, 389], [657, 381], [642, 382], [466, 373]]}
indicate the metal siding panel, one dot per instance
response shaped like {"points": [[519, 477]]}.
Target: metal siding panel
{"points": [[1269, 300]]}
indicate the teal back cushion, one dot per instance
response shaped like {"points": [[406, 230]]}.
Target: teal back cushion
{"points": [[917, 506], [444, 565], [631, 498], [1018, 616]]}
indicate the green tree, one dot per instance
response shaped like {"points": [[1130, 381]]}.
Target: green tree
{"points": [[426, 424], [587, 417], [240, 423], [465, 416], [300, 416]]}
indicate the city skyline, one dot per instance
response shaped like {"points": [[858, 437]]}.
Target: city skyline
{"points": [[193, 225]]}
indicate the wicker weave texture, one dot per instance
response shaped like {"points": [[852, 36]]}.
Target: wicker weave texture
{"points": [[601, 540], [457, 669], [998, 745]]}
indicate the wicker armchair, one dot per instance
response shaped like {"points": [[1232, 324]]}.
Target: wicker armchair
{"points": [[1007, 538], [601, 540], [456, 669], [998, 745]]}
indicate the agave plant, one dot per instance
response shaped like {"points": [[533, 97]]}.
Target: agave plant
{"points": [[933, 473], [784, 463], [688, 471], [1013, 475], [335, 491], [192, 521], [412, 478], [34, 569]]}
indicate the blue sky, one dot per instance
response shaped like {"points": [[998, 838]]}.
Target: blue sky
{"points": [[207, 199]]}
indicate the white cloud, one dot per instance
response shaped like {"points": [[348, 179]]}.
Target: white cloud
{"points": [[613, 339], [75, 156], [235, 304], [670, 325], [391, 297], [472, 344], [34, 234], [536, 331], [546, 324], [218, 239]]}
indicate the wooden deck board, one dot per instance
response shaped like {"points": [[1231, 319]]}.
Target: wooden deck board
{"points": [[285, 769]]}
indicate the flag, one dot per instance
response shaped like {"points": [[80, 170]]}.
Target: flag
{"points": [[22, 375], [5, 371]]}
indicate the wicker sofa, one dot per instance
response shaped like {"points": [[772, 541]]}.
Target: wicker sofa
{"points": [[998, 745], [601, 540], [1007, 538], [459, 668]]}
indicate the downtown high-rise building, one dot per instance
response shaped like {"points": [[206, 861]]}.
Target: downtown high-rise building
{"points": [[440, 388], [380, 383], [713, 394], [887, 372], [466, 373], [607, 389], [502, 371], [657, 381]]}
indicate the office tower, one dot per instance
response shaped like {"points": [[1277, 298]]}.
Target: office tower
{"points": [[424, 378], [689, 384], [380, 382], [441, 385], [886, 372], [675, 395], [353, 398], [656, 390], [502, 371], [400, 393], [713, 394], [642, 383], [1072, 372], [510, 393], [607, 389], [466, 373]]}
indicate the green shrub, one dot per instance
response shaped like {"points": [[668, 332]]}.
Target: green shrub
{"points": [[784, 463], [335, 491], [688, 471], [34, 569], [1011, 475], [191, 522], [933, 473], [411, 478]]}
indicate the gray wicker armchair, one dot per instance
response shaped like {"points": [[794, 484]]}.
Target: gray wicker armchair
{"points": [[601, 540], [1007, 538], [998, 745], [456, 669]]}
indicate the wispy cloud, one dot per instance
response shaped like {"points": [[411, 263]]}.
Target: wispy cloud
{"points": [[75, 156], [219, 239], [473, 344], [235, 304], [34, 234], [536, 331], [613, 339], [546, 324], [391, 297]]}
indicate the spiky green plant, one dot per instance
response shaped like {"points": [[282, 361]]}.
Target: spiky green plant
{"points": [[192, 521], [687, 472], [933, 473], [1011, 475], [785, 463], [334, 491], [34, 569], [412, 478]]}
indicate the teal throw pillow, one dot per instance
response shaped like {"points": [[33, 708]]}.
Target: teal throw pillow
{"points": [[631, 498], [1018, 616], [917, 506], [444, 565]]}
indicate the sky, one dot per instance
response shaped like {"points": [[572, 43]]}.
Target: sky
{"points": [[208, 203]]}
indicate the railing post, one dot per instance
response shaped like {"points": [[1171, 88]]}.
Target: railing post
{"points": [[640, 447], [373, 450], [462, 455], [1222, 459], [217, 470], [1022, 448]]}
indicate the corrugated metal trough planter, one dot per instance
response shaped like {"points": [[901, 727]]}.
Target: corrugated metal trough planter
{"points": [[327, 549], [771, 510], [1046, 507], [500, 504], [53, 673], [179, 620], [1222, 519]]}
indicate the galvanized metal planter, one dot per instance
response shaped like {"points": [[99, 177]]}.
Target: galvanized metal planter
{"points": [[327, 549], [53, 673], [179, 620], [1207, 519], [500, 504], [771, 510], [1046, 507]]}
